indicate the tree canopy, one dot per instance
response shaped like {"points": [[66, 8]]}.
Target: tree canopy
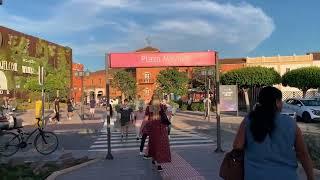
{"points": [[172, 81], [125, 82], [251, 77], [198, 80], [303, 78]]}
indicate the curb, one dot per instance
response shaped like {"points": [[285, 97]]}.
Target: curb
{"points": [[55, 174]]}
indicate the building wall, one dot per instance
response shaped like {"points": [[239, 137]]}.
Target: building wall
{"points": [[21, 54], [76, 82], [282, 64], [229, 67], [95, 84]]}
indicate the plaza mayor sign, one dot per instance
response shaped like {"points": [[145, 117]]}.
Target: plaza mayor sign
{"points": [[161, 59]]}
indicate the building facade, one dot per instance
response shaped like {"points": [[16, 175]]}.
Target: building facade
{"points": [[76, 82], [283, 64], [22, 54]]}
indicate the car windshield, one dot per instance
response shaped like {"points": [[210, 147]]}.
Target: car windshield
{"points": [[311, 102]]}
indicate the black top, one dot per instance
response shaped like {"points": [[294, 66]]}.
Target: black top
{"points": [[125, 114]]}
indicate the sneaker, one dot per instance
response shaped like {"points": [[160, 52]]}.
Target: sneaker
{"points": [[146, 157], [141, 154], [138, 139], [159, 169]]}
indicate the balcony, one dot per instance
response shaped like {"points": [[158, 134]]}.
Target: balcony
{"points": [[146, 81]]}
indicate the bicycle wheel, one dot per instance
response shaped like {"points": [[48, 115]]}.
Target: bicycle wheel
{"points": [[9, 143], [46, 142]]}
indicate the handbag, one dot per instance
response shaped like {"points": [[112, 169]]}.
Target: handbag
{"points": [[232, 167], [164, 118]]}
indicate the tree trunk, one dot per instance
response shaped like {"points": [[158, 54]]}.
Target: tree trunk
{"points": [[304, 93], [246, 98]]}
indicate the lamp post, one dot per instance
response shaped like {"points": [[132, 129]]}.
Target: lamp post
{"points": [[109, 155], [81, 74], [219, 148], [207, 73]]}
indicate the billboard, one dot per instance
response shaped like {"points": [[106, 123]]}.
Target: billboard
{"points": [[228, 97], [161, 59]]}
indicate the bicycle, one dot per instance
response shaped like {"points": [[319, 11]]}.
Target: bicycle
{"points": [[45, 142]]}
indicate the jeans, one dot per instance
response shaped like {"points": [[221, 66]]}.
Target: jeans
{"points": [[143, 140]]}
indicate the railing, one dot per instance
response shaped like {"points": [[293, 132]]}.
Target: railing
{"points": [[146, 81]]}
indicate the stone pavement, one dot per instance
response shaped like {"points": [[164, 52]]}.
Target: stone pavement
{"points": [[125, 166]]}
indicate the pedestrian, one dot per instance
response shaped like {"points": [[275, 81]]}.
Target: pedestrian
{"points": [[138, 119], [158, 146], [207, 107], [169, 112], [92, 107], [56, 115], [272, 142], [126, 115], [69, 109]]}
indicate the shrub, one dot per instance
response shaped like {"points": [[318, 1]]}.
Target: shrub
{"points": [[184, 107], [195, 106], [174, 104], [201, 107]]}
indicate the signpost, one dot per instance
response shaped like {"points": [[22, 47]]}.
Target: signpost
{"points": [[166, 59], [41, 83], [229, 98]]}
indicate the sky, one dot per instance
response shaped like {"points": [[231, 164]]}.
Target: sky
{"points": [[234, 28]]}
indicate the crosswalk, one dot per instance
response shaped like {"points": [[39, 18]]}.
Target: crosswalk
{"points": [[178, 138]]}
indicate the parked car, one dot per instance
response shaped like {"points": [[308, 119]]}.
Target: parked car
{"points": [[289, 112], [306, 110], [286, 111]]}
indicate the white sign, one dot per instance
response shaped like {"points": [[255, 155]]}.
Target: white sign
{"points": [[9, 66]]}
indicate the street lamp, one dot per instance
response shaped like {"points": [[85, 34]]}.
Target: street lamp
{"points": [[82, 74], [109, 155], [207, 73]]}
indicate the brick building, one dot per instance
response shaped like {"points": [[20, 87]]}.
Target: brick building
{"points": [[76, 82]]}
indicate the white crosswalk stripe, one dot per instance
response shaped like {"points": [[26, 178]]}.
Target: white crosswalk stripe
{"points": [[177, 139]]}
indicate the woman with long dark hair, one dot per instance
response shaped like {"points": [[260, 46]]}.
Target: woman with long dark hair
{"points": [[272, 142]]}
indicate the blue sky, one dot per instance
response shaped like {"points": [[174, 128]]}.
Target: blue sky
{"points": [[235, 28]]}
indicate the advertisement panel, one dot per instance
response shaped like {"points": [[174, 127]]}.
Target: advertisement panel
{"points": [[161, 59], [228, 97]]}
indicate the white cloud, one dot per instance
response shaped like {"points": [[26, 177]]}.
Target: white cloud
{"points": [[234, 29]]}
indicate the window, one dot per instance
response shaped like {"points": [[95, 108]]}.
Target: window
{"points": [[147, 91], [147, 77]]}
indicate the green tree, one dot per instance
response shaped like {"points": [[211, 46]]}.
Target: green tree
{"points": [[125, 82], [56, 78], [250, 77], [303, 78], [172, 81], [198, 80]]}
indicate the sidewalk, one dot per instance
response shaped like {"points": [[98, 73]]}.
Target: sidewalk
{"points": [[124, 166]]}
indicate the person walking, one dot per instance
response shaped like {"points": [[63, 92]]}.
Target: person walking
{"points": [[56, 115], [92, 107], [169, 112], [271, 141], [158, 146], [69, 109], [126, 115], [138, 119]]}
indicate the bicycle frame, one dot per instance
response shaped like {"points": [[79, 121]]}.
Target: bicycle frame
{"points": [[29, 135]]}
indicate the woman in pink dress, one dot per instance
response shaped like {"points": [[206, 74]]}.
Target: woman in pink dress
{"points": [[158, 146]]}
